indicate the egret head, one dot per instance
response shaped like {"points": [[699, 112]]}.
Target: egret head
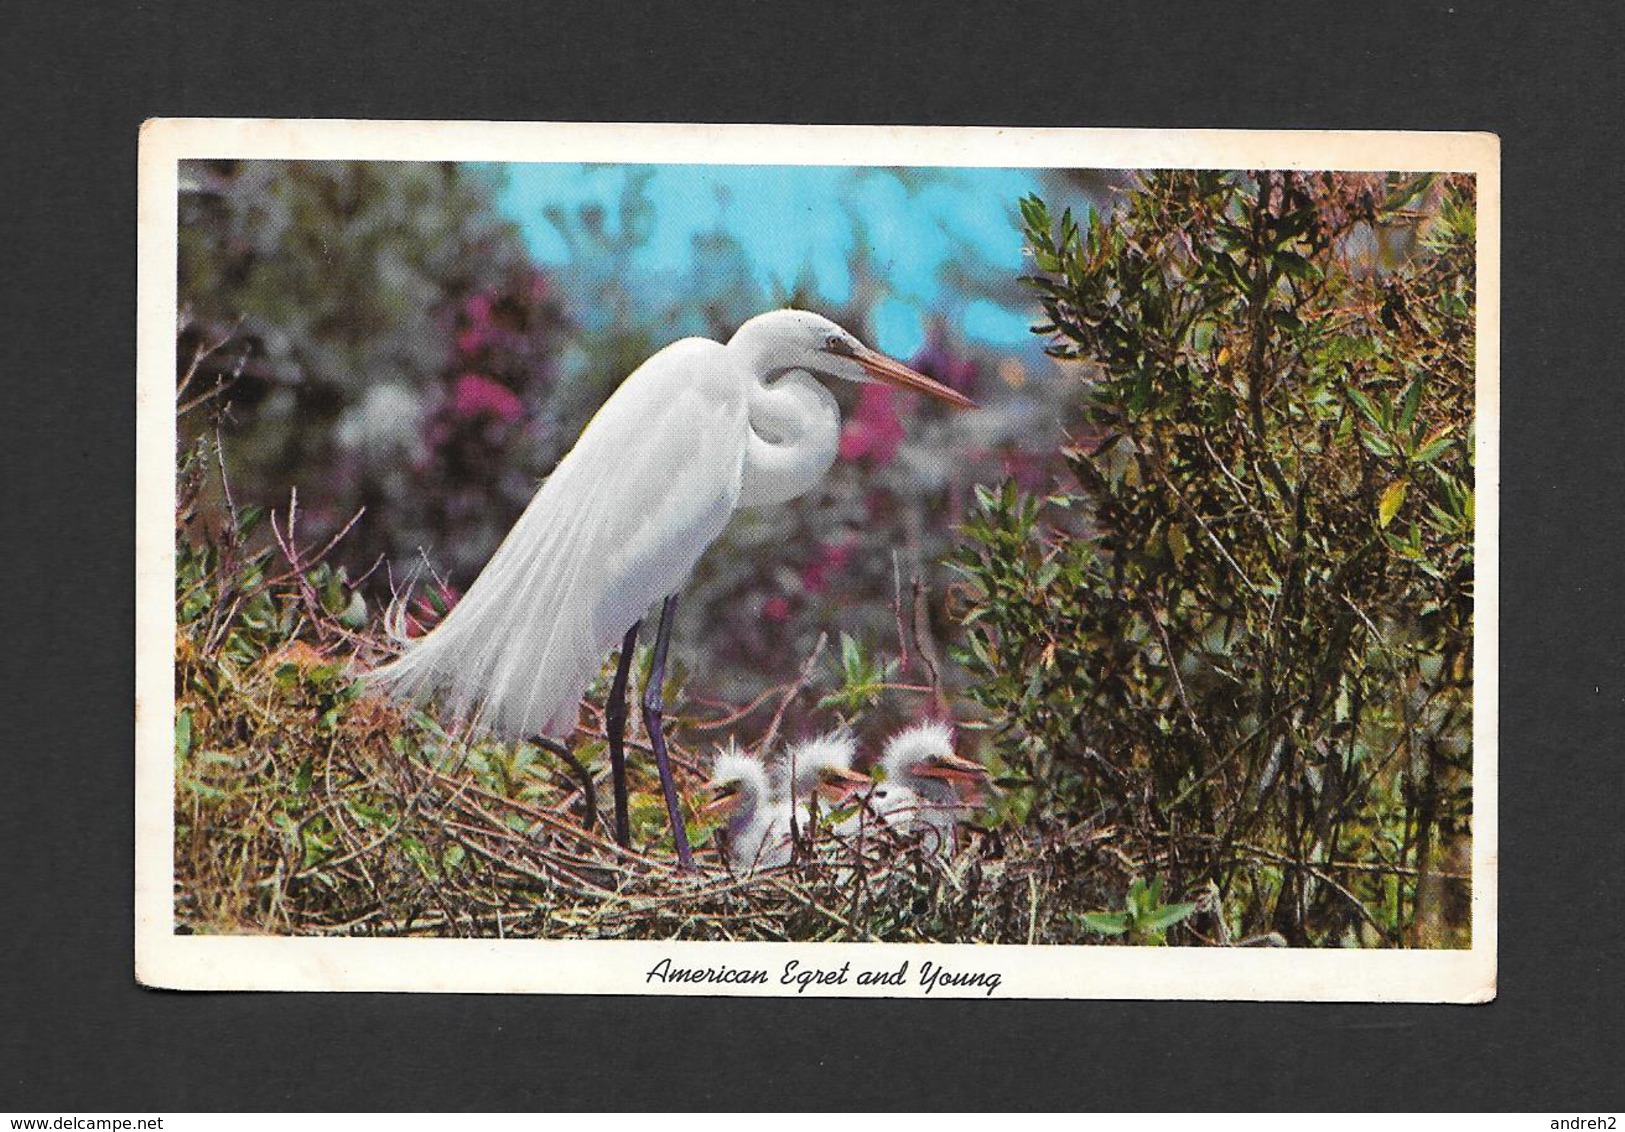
{"points": [[823, 766], [737, 781], [923, 756], [795, 339]]}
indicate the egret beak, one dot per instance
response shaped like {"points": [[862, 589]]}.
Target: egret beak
{"points": [[725, 799], [838, 785], [882, 368], [967, 779], [952, 768]]}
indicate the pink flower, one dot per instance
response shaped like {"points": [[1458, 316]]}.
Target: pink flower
{"points": [[776, 608], [874, 430], [477, 396]]}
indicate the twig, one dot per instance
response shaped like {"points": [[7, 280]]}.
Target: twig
{"points": [[925, 645], [295, 559], [794, 690], [897, 612], [733, 717]]}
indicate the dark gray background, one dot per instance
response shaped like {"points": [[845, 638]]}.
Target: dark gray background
{"points": [[76, 1034]]}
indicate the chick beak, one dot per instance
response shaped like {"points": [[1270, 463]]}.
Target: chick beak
{"points": [[951, 768], [724, 800], [838, 785], [892, 372], [968, 778]]}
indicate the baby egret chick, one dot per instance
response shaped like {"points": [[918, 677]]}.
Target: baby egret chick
{"points": [[758, 820], [819, 771], [918, 795]]}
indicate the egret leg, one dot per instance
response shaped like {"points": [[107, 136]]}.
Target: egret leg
{"points": [[653, 705], [615, 723]]}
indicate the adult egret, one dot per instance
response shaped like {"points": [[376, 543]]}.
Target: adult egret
{"points": [[696, 431], [741, 792], [917, 794]]}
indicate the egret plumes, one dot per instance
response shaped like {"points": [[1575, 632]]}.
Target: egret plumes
{"points": [[697, 431], [818, 773]]}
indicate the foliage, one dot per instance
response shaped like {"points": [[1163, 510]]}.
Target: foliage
{"points": [[1144, 918], [863, 678], [1244, 638]]}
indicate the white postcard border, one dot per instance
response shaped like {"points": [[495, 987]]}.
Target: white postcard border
{"points": [[164, 959]]}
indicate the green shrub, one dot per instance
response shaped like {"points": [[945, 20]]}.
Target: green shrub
{"points": [[1244, 639]]}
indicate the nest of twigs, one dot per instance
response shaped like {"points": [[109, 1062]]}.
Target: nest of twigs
{"points": [[304, 808]]}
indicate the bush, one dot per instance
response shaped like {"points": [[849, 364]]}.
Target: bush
{"points": [[1243, 639]]}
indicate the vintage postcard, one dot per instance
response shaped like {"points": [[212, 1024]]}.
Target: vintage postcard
{"points": [[836, 561]]}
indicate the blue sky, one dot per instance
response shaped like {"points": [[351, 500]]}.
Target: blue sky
{"points": [[792, 220]]}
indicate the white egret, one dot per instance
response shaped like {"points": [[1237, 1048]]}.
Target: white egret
{"points": [[696, 431], [758, 829], [918, 794], [767, 803]]}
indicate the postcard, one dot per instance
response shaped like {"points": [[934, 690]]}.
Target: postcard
{"points": [[817, 561]]}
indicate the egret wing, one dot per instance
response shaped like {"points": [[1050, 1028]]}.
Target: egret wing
{"points": [[619, 524]]}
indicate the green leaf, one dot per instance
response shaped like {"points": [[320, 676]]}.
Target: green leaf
{"points": [[1165, 917], [183, 733], [205, 791], [419, 855], [1363, 403], [368, 814], [321, 674], [1177, 544], [851, 654], [1106, 923], [1392, 500], [1297, 266], [1433, 449], [355, 614], [1375, 444], [1412, 402]]}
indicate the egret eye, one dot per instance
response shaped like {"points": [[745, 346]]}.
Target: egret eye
{"points": [[838, 344]]}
